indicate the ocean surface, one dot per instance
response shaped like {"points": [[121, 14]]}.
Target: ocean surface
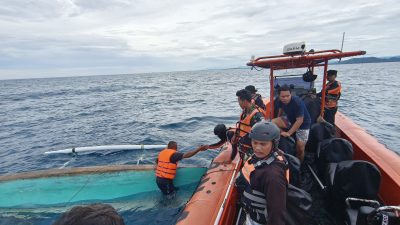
{"points": [[38, 115]]}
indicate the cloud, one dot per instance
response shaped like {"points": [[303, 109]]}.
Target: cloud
{"points": [[122, 36]]}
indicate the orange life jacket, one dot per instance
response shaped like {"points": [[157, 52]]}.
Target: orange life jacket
{"points": [[243, 127], [248, 168], [165, 168], [332, 95], [261, 110]]}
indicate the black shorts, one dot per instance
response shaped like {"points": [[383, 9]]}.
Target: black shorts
{"points": [[165, 185], [329, 115]]}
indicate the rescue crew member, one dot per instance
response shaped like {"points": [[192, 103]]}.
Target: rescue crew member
{"points": [[167, 163], [262, 183], [256, 98], [250, 116], [332, 95], [297, 119]]}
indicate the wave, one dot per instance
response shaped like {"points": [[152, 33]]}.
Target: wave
{"points": [[196, 121]]}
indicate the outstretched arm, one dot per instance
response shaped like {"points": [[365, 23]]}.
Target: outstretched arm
{"points": [[217, 145], [194, 152]]}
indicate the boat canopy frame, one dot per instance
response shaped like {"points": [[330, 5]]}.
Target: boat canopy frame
{"points": [[310, 59]]}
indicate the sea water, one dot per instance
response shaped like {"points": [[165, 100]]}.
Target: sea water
{"points": [[38, 115]]}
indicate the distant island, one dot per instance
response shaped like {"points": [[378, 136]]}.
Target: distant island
{"points": [[369, 60]]}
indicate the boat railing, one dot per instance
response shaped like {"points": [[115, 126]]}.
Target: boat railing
{"points": [[307, 59], [370, 202], [303, 54]]}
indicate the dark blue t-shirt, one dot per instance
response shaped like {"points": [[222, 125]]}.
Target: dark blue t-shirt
{"points": [[296, 108]]}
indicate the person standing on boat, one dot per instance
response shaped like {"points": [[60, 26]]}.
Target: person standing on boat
{"points": [[256, 98], [332, 95], [295, 121], [167, 163], [250, 116], [262, 183]]}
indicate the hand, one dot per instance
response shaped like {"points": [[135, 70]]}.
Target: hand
{"points": [[227, 161], [285, 134], [320, 119], [234, 139], [203, 147]]}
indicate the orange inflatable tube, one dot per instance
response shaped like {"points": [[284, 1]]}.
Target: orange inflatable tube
{"points": [[214, 201]]}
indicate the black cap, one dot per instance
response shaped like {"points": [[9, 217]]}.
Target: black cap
{"points": [[332, 72], [251, 88]]}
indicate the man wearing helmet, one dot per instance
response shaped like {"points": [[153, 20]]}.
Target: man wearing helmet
{"points": [[261, 182]]}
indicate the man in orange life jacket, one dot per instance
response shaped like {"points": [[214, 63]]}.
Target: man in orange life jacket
{"points": [[332, 95], [262, 182], [167, 163], [250, 116], [256, 98]]}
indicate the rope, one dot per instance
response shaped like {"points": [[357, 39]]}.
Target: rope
{"points": [[257, 68], [83, 186]]}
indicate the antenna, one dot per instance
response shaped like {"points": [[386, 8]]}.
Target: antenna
{"points": [[341, 49]]}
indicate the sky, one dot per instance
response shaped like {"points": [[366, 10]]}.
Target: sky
{"points": [[51, 38]]}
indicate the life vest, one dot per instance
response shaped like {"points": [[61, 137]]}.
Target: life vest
{"points": [[165, 168], [254, 202], [243, 127], [261, 110], [332, 95]]}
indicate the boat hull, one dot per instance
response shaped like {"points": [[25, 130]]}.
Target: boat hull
{"points": [[208, 201], [113, 184], [214, 201], [369, 149]]}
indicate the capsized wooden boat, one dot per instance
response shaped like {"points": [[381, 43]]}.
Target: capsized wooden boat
{"points": [[214, 201], [74, 186]]}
